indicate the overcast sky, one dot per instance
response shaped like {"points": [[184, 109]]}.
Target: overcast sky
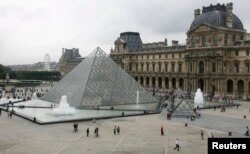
{"points": [[31, 28]]}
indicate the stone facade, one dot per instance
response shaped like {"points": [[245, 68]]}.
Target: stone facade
{"points": [[216, 57], [69, 59]]}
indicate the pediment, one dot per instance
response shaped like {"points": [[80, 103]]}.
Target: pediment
{"points": [[202, 28]]}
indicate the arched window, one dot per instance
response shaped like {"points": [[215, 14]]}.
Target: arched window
{"points": [[173, 67], [166, 67], [159, 67]]}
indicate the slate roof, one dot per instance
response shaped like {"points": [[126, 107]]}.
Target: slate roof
{"points": [[215, 16]]}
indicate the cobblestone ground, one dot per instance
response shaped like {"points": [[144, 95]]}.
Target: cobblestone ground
{"points": [[139, 134]]}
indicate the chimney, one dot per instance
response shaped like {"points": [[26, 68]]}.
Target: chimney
{"points": [[174, 43], [197, 12], [229, 18], [166, 42]]}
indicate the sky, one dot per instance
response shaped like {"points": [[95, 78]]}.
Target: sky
{"points": [[29, 29]]}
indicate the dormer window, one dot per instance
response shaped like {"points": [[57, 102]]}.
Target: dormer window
{"points": [[203, 41]]}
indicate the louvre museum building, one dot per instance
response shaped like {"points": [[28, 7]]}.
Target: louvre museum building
{"points": [[215, 58]]}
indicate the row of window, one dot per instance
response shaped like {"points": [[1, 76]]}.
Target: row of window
{"points": [[237, 53], [214, 40], [139, 67], [201, 67], [154, 56]]}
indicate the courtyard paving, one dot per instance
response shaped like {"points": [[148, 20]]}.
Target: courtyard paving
{"points": [[139, 134]]}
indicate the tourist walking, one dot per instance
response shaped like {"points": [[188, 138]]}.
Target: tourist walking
{"points": [[96, 132], [0, 111], [177, 145], [202, 134], [118, 130], [162, 131], [115, 130], [87, 131], [212, 135], [75, 125], [247, 131]]}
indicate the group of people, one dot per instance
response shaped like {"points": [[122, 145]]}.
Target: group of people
{"points": [[96, 131], [116, 130], [23, 93]]}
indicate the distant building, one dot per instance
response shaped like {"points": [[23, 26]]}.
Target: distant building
{"points": [[39, 66], [69, 59], [216, 57]]}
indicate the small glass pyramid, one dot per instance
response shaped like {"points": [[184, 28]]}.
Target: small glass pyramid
{"points": [[99, 81]]}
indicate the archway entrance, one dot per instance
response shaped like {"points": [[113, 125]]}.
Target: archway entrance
{"points": [[153, 82], [166, 83], [241, 87], [230, 86], [174, 83], [136, 78], [141, 80], [201, 84], [160, 82], [147, 81], [181, 83]]}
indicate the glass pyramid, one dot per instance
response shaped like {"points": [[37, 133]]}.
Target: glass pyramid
{"points": [[99, 81], [183, 108]]}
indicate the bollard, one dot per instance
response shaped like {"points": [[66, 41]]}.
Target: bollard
{"points": [[244, 116], [186, 124], [229, 133]]}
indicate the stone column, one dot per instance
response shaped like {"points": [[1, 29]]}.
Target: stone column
{"points": [[156, 82], [177, 83], [235, 87], [170, 83], [195, 84], [245, 88], [145, 82], [150, 82], [163, 83]]}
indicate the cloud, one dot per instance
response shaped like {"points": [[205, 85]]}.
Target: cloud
{"points": [[29, 29]]}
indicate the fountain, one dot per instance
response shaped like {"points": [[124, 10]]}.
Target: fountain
{"points": [[63, 108], [137, 98], [198, 98], [34, 96]]}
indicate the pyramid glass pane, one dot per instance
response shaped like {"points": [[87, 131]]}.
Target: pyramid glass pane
{"points": [[99, 81]]}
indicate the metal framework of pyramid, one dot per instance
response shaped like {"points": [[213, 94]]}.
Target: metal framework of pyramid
{"points": [[99, 81], [183, 108]]}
